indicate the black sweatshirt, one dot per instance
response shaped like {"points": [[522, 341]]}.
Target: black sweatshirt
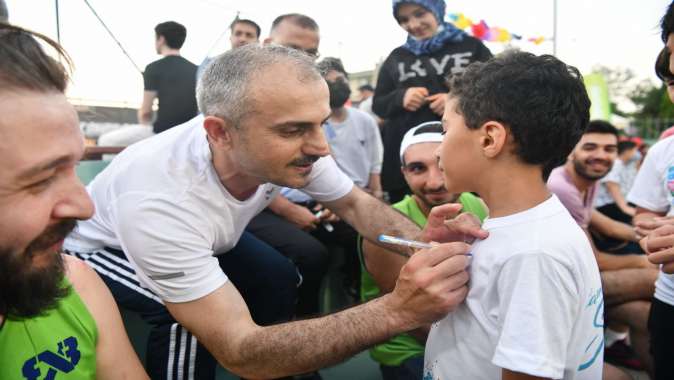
{"points": [[402, 70]]}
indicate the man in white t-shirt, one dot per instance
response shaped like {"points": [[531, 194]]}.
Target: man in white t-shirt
{"points": [[535, 305], [653, 194], [171, 209]]}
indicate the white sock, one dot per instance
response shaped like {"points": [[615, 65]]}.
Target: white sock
{"points": [[612, 336]]}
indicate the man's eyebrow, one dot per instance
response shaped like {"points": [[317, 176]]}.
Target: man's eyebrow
{"points": [[42, 167], [301, 124]]}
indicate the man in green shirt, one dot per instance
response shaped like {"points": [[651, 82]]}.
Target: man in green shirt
{"points": [[57, 318], [402, 357]]}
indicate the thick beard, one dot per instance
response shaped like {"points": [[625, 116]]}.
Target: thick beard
{"points": [[28, 290], [579, 167]]}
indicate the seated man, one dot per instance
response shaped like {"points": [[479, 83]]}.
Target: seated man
{"points": [[402, 357], [57, 318], [627, 279], [617, 183]]}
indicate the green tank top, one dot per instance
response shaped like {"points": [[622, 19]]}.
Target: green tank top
{"points": [[402, 347], [59, 345]]}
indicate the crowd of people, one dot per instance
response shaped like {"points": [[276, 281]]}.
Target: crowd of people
{"points": [[534, 243]]}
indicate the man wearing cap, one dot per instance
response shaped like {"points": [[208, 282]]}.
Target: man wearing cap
{"points": [[402, 357]]}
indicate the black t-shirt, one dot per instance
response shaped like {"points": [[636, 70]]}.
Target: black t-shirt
{"points": [[402, 70], [174, 79]]}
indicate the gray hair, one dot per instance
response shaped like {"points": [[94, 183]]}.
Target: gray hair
{"points": [[224, 88]]}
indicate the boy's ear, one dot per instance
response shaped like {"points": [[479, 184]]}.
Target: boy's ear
{"points": [[219, 131], [493, 139]]}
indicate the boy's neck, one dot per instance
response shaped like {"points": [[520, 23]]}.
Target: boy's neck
{"points": [[517, 189]]}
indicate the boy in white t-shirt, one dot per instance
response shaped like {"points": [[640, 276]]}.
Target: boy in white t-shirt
{"points": [[535, 305]]}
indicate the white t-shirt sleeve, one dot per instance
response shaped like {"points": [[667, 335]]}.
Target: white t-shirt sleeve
{"points": [[375, 145], [648, 191], [538, 304], [327, 182], [614, 174], [168, 241]]}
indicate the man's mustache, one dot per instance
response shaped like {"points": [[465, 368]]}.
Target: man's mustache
{"points": [[306, 160], [52, 235]]}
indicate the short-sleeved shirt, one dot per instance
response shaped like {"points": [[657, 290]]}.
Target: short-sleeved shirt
{"points": [[174, 78], [579, 205], [654, 190], [162, 203], [534, 306], [621, 173], [401, 347]]}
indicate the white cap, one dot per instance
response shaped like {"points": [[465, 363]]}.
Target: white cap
{"points": [[429, 131]]}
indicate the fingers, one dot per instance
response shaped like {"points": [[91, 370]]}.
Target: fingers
{"points": [[665, 256], [660, 238], [414, 98], [439, 214], [469, 225], [439, 253]]}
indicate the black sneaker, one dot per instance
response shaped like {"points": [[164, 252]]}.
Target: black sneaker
{"points": [[621, 354]]}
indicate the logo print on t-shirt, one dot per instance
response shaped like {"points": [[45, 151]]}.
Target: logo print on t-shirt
{"points": [[670, 180], [595, 344], [62, 361]]}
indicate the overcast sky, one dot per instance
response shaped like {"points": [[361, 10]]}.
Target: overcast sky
{"points": [[610, 32]]}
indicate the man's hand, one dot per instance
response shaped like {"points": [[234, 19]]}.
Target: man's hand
{"points": [[444, 225], [302, 217], [414, 98], [431, 284], [437, 103], [659, 245], [324, 214], [645, 227]]}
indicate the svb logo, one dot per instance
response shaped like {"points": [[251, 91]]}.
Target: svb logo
{"points": [[64, 360]]}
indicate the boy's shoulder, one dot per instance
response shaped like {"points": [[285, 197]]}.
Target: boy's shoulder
{"points": [[546, 229]]}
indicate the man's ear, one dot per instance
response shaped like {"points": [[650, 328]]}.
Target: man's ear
{"points": [[494, 138], [219, 131]]}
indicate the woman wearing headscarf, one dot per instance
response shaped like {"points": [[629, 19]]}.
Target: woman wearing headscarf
{"points": [[411, 85]]}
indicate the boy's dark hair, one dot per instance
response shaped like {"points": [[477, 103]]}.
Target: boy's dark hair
{"points": [[541, 100], [603, 127], [174, 34], [331, 64], [298, 19], [625, 146], [24, 64], [248, 22], [667, 23], [662, 66]]}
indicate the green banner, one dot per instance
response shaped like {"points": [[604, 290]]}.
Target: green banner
{"points": [[597, 90]]}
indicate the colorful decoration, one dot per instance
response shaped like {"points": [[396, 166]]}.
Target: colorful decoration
{"points": [[484, 32]]}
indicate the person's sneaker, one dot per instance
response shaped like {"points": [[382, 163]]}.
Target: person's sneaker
{"points": [[621, 354]]}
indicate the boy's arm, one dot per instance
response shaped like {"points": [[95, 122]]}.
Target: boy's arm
{"points": [[510, 375], [115, 358]]}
